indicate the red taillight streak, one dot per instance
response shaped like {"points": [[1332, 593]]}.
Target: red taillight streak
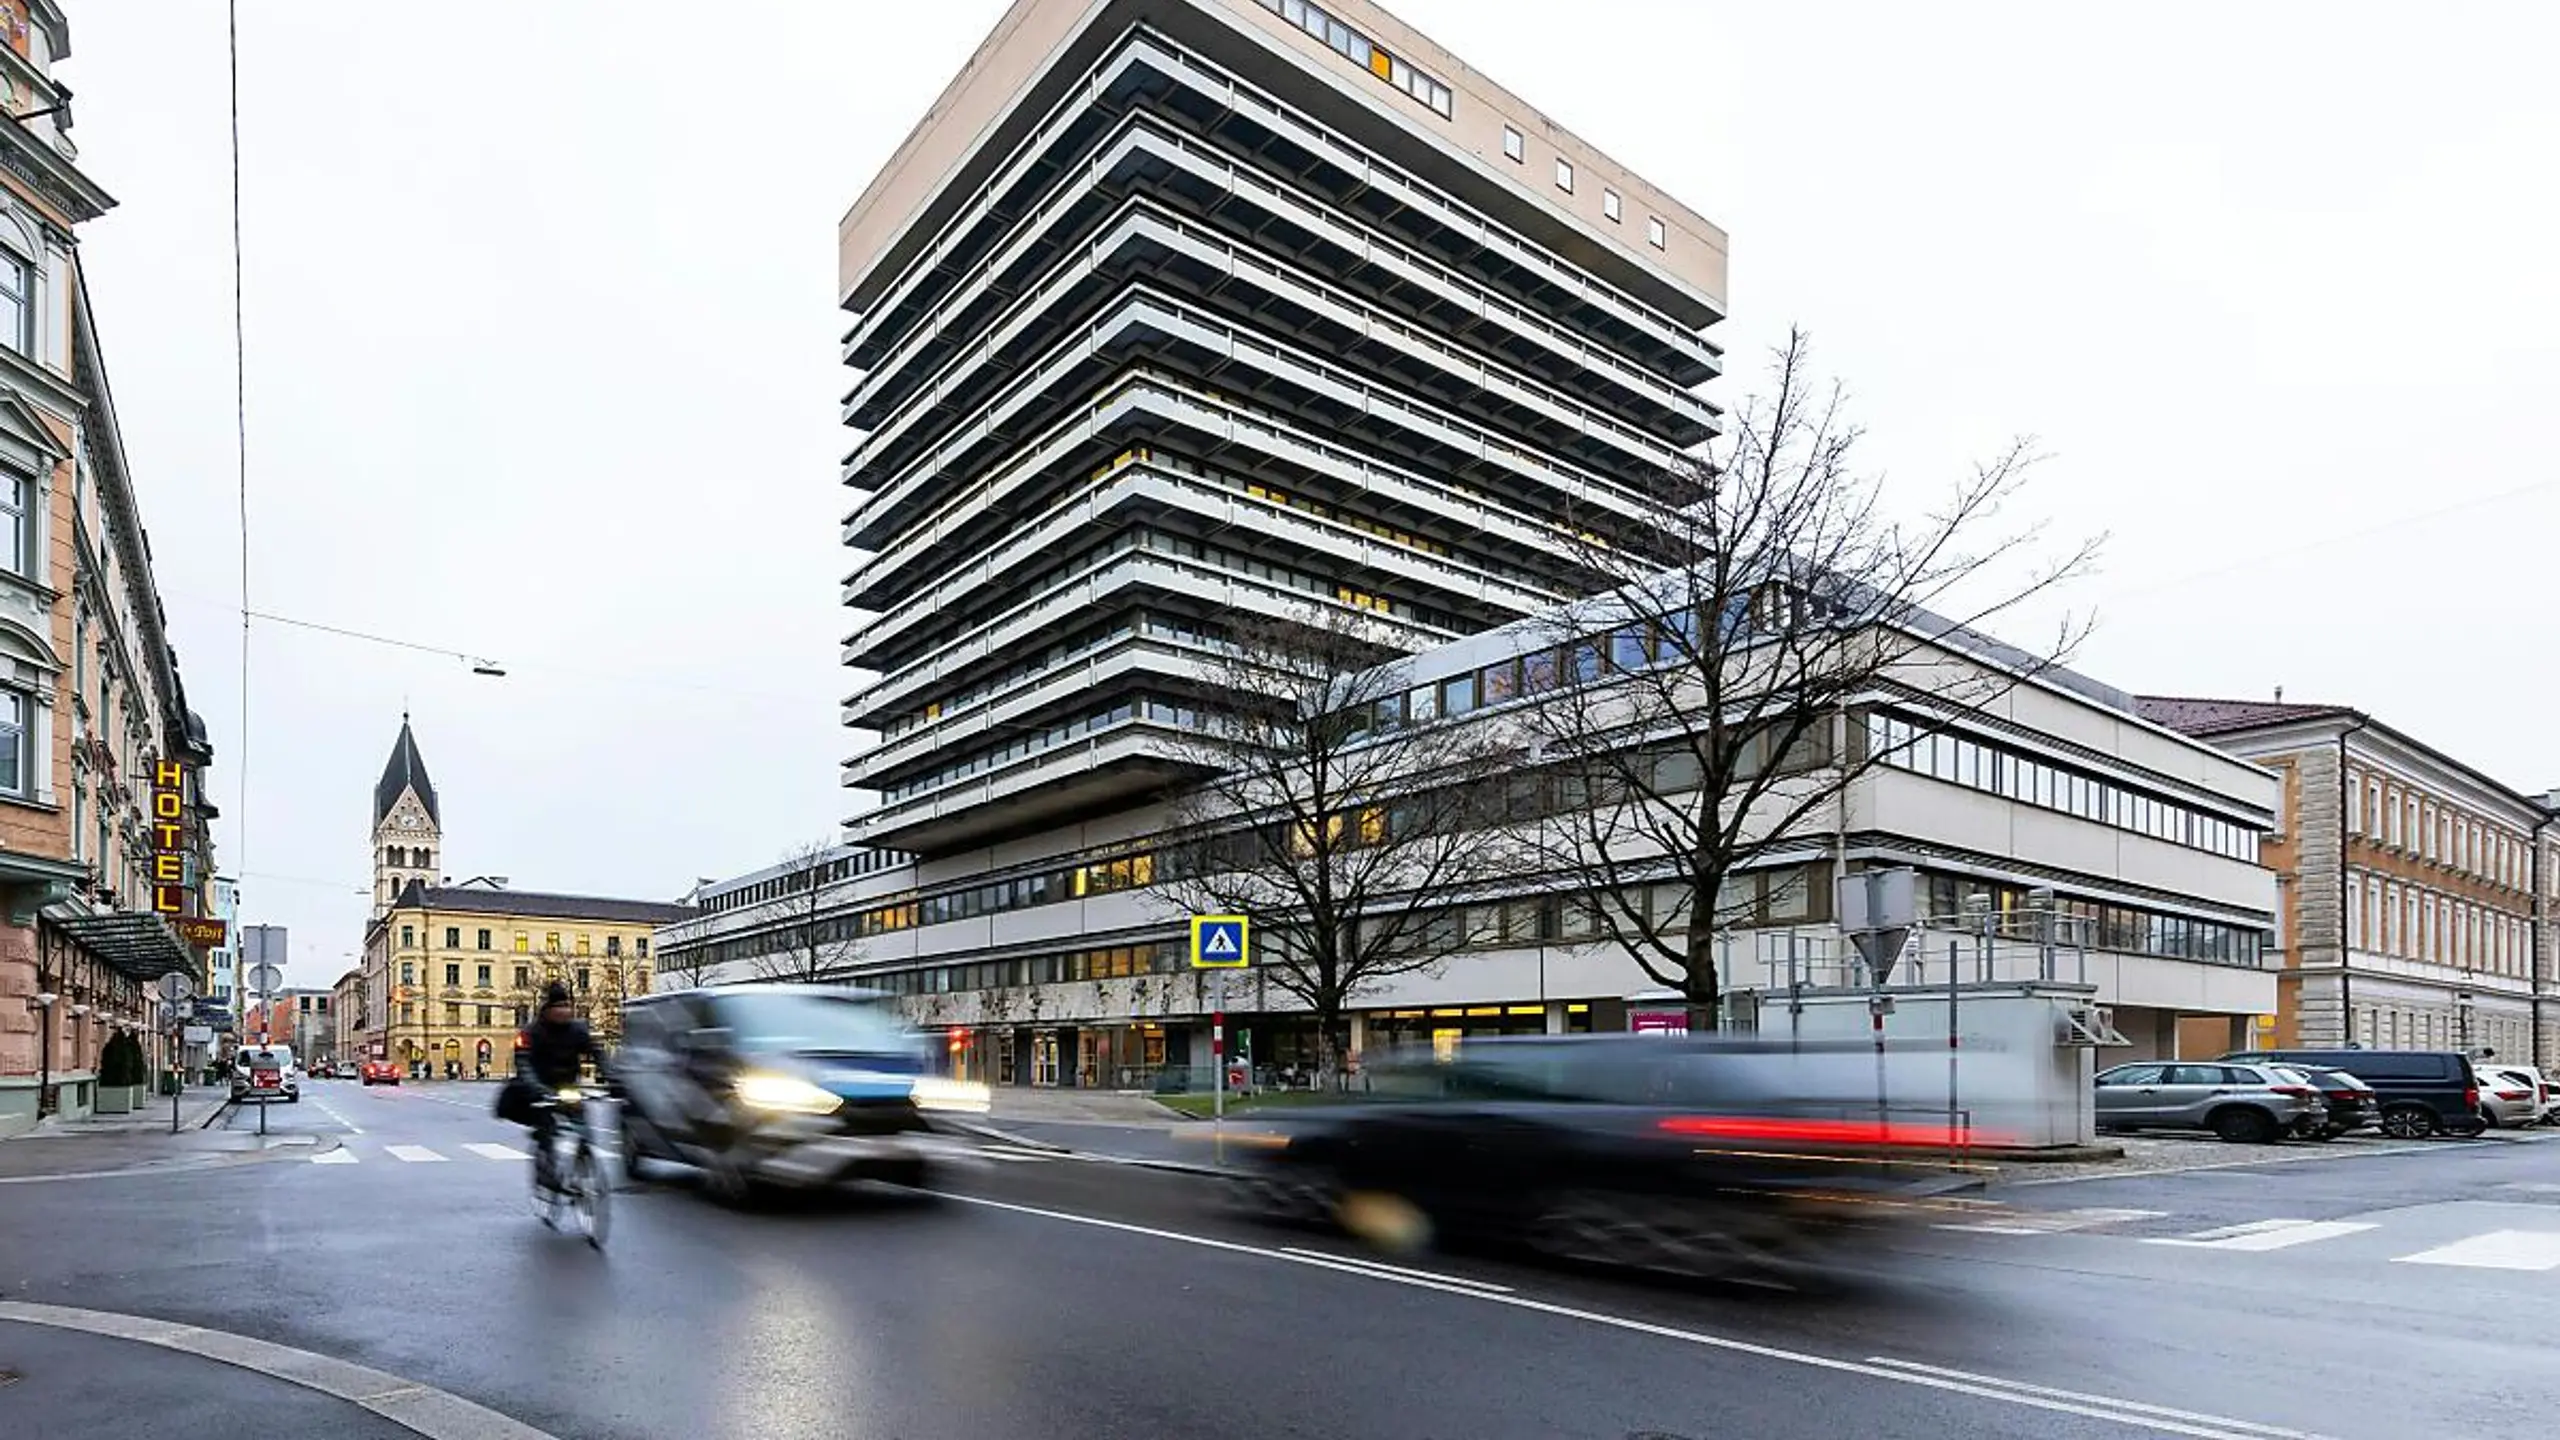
{"points": [[2515, 1094], [1824, 1132], [2342, 1094], [2304, 1091]]}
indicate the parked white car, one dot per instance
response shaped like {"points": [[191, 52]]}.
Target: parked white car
{"points": [[2508, 1097], [2544, 1090], [246, 1065]]}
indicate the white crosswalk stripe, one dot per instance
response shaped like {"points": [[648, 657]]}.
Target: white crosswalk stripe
{"points": [[414, 1154], [2050, 1222], [496, 1152], [2496, 1250], [2260, 1235], [335, 1157]]}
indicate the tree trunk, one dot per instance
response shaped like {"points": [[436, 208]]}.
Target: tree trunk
{"points": [[1705, 988]]}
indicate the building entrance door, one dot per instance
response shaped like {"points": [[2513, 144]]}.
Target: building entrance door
{"points": [[1044, 1059]]}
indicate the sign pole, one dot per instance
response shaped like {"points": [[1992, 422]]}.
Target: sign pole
{"points": [[1218, 1059]]}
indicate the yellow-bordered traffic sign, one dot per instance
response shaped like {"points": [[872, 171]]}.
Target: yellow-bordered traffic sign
{"points": [[1220, 942]]}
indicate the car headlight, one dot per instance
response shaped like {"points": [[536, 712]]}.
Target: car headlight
{"points": [[933, 1092], [767, 1091]]}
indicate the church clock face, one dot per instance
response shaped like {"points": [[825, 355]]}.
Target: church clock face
{"points": [[408, 822]]}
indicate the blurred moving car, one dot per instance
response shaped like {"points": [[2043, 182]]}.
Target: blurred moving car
{"points": [[790, 1085], [2352, 1104], [1718, 1159], [2244, 1104], [263, 1073], [381, 1072], [2423, 1092], [2508, 1100]]}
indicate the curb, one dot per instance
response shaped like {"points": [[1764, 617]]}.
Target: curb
{"points": [[421, 1409]]}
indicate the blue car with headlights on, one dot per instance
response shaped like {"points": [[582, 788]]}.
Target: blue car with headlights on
{"points": [[781, 1085]]}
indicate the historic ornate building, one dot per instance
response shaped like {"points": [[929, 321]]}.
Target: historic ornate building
{"points": [[452, 970], [105, 854]]}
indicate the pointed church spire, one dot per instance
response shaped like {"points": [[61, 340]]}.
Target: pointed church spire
{"points": [[406, 770]]}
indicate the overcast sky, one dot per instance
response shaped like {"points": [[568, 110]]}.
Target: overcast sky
{"points": [[542, 367]]}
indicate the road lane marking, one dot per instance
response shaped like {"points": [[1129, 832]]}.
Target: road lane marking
{"points": [[2496, 1250], [339, 1156], [496, 1152], [421, 1409], [331, 1111], [2250, 1427], [414, 1153], [2068, 1402], [1357, 1263]]}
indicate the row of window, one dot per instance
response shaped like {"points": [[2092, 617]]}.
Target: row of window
{"points": [[2404, 1027], [404, 858], [1993, 769], [2019, 914], [1515, 148], [846, 867], [583, 977], [1360, 50], [1151, 624], [2403, 819], [2419, 924], [1790, 895], [524, 942]]}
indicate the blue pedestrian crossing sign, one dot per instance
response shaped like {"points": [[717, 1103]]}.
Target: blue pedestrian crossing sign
{"points": [[1218, 942]]}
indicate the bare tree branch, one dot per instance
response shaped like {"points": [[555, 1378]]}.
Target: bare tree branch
{"points": [[810, 948], [1698, 711], [1349, 827]]}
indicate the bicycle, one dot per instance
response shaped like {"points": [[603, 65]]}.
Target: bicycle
{"points": [[581, 1188]]}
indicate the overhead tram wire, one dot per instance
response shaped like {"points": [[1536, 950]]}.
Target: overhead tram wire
{"points": [[240, 418]]}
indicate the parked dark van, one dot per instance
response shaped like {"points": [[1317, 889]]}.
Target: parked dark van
{"points": [[2423, 1092]]}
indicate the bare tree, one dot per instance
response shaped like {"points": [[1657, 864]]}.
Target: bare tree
{"points": [[809, 946], [1347, 827], [1698, 724]]}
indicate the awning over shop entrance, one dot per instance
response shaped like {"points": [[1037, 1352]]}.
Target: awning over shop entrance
{"points": [[136, 943]]}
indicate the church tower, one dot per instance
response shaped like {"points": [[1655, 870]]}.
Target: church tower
{"points": [[407, 830]]}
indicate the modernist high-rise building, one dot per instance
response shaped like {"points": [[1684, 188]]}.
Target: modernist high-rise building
{"points": [[1175, 310]]}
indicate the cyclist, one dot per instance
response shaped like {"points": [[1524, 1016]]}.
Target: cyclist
{"points": [[548, 1053]]}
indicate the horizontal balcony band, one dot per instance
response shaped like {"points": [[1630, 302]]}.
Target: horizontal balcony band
{"points": [[1358, 342], [1148, 159], [1124, 768], [1157, 490], [1143, 316], [1116, 581], [1142, 66], [1130, 659], [1140, 407]]}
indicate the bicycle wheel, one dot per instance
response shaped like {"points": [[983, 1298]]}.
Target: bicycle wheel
{"points": [[593, 1196], [546, 1198]]}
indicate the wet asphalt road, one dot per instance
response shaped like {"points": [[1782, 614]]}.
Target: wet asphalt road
{"points": [[1059, 1296]]}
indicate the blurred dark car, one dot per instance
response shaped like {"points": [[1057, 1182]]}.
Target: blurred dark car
{"points": [[780, 1085], [1716, 1159]]}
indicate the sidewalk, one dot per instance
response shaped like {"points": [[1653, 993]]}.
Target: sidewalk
{"points": [[141, 1142], [197, 1106], [70, 1382], [1106, 1107]]}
